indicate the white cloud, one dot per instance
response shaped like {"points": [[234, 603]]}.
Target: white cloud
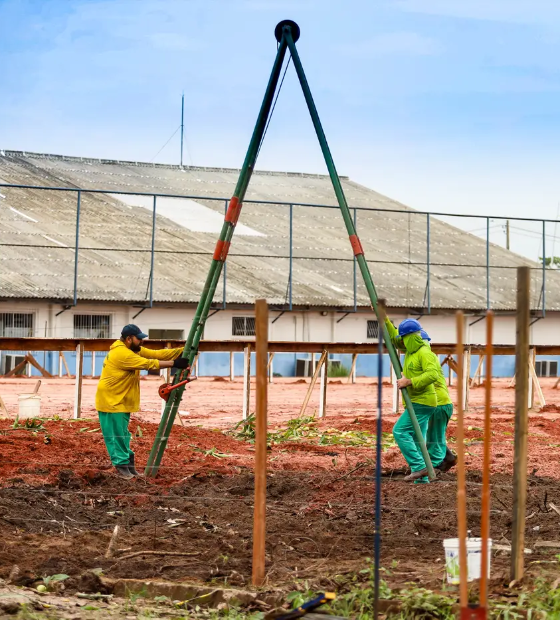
{"points": [[392, 43]]}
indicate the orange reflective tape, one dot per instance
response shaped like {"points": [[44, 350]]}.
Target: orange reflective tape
{"points": [[221, 251], [356, 245], [233, 211]]}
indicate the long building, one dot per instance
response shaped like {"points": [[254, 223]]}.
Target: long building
{"points": [[290, 248]]}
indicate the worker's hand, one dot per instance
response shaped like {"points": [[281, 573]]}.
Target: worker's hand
{"points": [[403, 382], [181, 362]]}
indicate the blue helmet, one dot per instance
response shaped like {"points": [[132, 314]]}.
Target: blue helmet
{"points": [[409, 326], [424, 335]]}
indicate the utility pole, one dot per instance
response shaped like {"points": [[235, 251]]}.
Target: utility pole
{"points": [[507, 234], [182, 124]]}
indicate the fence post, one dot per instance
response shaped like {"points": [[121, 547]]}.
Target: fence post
{"points": [[78, 382], [521, 422], [259, 519], [231, 369], [247, 382], [323, 389]]}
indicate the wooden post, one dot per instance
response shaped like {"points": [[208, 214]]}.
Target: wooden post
{"points": [[27, 356], [247, 382], [231, 369], [167, 375], [270, 368], [78, 383], [259, 522], [536, 384], [195, 365], [312, 384], [65, 364], [466, 378], [477, 377], [313, 364], [450, 380], [323, 389], [3, 408], [60, 363], [93, 364], [461, 477], [531, 393], [521, 422], [352, 375], [485, 500]]}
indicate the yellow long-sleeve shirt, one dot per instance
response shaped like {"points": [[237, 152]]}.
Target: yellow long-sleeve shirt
{"points": [[119, 386]]}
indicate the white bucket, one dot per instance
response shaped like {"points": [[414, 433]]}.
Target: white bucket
{"points": [[29, 406], [474, 555]]}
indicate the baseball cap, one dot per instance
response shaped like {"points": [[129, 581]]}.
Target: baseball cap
{"points": [[133, 330]]}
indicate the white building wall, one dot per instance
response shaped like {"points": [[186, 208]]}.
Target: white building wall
{"points": [[309, 326]]}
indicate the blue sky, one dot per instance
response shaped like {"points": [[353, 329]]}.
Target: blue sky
{"points": [[446, 105]]}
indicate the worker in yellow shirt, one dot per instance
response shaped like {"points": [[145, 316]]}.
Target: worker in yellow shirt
{"points": [[118, 391]]}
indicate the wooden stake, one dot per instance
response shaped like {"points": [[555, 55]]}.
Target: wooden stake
{"points": [[352, 375], [78, 383], [521, 422], [38, 366], [60, 363], [93, 364], [312, 384], [259, 523], [323, 390], [231, 369], [531, 392], [477, 378], [461, 478], [485, 509], [113, 543], [3, 407], [466, 378], [65, 363], [247, 382], [536, 383], [270, 368]]}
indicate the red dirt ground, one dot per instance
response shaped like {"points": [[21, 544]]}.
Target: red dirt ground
{"points": [[60, 500]]}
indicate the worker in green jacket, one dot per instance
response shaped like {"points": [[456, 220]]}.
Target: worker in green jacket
{"points": [[420, 372], [441, 456]]}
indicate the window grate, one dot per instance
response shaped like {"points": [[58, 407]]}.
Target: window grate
{"points": [[243, 326], [16, 325], [92, 326], [373, 329]]}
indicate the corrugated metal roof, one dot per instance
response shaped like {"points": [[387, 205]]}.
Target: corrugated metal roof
{"points": [[115, 241]]}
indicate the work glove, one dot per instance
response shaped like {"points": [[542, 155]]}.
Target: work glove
{"points": [[181, 362]]}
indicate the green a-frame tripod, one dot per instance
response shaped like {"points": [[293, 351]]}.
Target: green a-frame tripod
{"points": [[287, 33]]}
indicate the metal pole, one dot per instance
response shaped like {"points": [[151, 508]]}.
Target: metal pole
{"points": [[152, 255], [182, 124], [544, 269], [354, 240], [355, 282], [77, 247], [291, 253], [507, 234], [487, 263], [218, 260], [429, 302]]}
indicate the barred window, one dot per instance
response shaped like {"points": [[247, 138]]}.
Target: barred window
{"points": [[243, 326], [372, 329], [16, 325], [92, 326]]}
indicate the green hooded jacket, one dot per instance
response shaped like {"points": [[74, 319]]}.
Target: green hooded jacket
{"points": [[421, 366], [442, 392]]}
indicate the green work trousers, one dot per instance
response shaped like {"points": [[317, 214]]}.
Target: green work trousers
{"points": [[404, 435], [437, 428], [114, 427]]}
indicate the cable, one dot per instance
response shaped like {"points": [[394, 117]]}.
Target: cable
{"points": [[161, 149], [273, 106]]}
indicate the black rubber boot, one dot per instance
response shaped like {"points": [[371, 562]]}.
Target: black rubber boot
{"points": [[449, 461], [131, 467], [124, 472]]}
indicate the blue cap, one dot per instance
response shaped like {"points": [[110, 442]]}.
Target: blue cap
{"points": [[133, 330], [424, 335], [409, 326]]}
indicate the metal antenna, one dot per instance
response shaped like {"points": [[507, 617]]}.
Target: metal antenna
{"points": [[182, 124]]}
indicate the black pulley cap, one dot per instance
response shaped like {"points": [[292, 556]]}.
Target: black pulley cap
{"points": [[293, 26]]}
